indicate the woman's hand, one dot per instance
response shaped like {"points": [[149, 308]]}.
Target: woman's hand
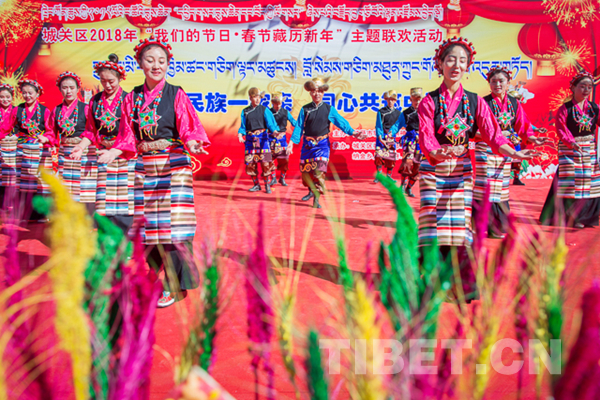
{"points": [[441, 154], [538, 141], [525, 154], [290, 149], [196, 147], [505, 133], [241, 138], [76, 153], [541, 130], [577, 147], [108, 156], [43, 139]]}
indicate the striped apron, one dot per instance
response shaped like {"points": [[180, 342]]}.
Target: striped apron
{"points": [[114, 192], [446, 202], [494, 169], [579, 176], [31, 156], [164, 196], [8, 156], [79, 176]]}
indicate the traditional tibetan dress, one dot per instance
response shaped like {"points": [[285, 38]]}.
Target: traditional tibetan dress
{"points": [[79, 176], [279, 146], [410, 147], [575, 192], [256, 124], [313, 127], [389, 121], [495, 169], [154, 126], [28, 126], [447, 187], [8, 152], [114, 190]]}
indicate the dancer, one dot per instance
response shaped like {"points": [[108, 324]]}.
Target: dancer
{"points": [[573, 199], [411, 152], [159, 125], [279, 143], [35, 140], [389, 122], [449, 117], [8, 146], [493, 169], [68, 120], [114, 191], [256, 120], [313, 126]]}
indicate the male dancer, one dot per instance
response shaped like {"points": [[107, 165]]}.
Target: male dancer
{"points": [[411, 153], [389, 122], [279, 143]]}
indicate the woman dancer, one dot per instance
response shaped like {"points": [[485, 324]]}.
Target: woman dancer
{"points": [[493, 169], [573, 199], [114, 191], [449, 118], [35, 139], [68, 120], [389, 121], [160, 125], [8, 146]]}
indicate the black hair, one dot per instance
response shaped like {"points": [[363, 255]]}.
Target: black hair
{"points": [[112, 57], [68, 77], [29, 84], [499, 71], [580, 79], [7, 89]]}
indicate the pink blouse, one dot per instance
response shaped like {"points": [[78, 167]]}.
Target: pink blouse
{"points": [[5, 115], [486, 122], [188, 123], [522, 124], [67, 111], [561, 124], [91, 133], [7, 126]]}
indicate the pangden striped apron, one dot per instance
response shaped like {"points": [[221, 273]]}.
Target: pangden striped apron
{"points": [[579, 176], [493, 169], [447, 188]]}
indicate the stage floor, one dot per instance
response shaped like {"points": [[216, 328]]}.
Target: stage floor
{"points": [[228, 217]]}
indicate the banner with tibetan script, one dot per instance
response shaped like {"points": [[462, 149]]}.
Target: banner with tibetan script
{"points": [[362, 48]]}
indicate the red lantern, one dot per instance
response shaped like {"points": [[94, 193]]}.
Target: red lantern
{"points": [[302, 22], [142, 22], [454, 21], [540, 41]]}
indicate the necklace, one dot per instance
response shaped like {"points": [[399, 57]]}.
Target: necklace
{"points": [[457, 127], [67, 125], [583, 120], [505, 118], [31, 125], [108, 119], [148, 120]]}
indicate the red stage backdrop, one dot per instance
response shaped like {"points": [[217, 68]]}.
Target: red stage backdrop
{"points": [[363, 48]]}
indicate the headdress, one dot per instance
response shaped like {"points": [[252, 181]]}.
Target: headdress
{"points": [[33, 83], [111, 65], [316, 84], [581, 75], [416, 92], [254, 91], [390, 95], [4, 86], [68, 74], [496, 69], [277, 97], [152, 40], [449, 42]]}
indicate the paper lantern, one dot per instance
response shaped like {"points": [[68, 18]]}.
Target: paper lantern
{"points": [[454, 21], [144, 24], [540, 41]]}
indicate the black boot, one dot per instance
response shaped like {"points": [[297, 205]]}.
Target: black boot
{"points": [[518, 182], [409, 192], [309, 196], [282, 180], [267, 188], [316, 202], [390, 176], [273, 180], [255, 188]]}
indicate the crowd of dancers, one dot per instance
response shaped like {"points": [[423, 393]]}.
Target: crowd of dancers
{"points": [[127, 155]]}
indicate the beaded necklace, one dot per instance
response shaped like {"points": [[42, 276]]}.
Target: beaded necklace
{"points": [[504, 119], [108, 119], [148, 120], [31, 125], [457, 127], [67, 125], [583, 120]]}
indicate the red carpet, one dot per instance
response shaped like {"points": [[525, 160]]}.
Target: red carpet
{"points": [[229, 217]]}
